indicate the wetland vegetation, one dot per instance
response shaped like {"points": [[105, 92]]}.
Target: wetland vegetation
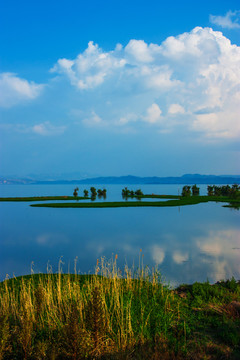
{"points": [[175, 201], [117, 315], [189, 196]]}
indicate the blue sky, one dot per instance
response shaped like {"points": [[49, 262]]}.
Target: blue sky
{"points": [[114, 88]]}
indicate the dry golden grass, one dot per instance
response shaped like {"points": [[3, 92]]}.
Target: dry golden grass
{"points": [[109, 315]]}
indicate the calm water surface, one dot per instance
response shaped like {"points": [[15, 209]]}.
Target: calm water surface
{"points": [[188, 243]]}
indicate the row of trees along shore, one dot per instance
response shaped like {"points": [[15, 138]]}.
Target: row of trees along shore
{"points": [[190, 190], [187, 190], [225, 190], [130, 193], [94, 192], [213, 190]]}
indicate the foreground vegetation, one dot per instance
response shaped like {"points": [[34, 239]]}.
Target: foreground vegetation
{"points": [[111, 315]]}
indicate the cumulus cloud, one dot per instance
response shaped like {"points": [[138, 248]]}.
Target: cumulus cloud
{"points": [[229, 21], [153, 114], [175, 109], [139, 51], [14, 90], [191, 80], [90, 68]]}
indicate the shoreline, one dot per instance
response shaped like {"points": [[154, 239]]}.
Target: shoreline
{"points": [[171, 200]]}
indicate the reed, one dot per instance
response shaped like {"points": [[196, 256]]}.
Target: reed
{"points": [[112, 314]]}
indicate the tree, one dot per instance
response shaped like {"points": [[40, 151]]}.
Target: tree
{"points": [[210, 189], [225, 190], [104, 193], [235, 191], [75, 193], [93, 191], [139, 192], [85, 193], [125, 192], [217, 190], [195, 190], [186, 190]]}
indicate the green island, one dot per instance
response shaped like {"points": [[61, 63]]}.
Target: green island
{"points": [[189, 196], [117, 315], [175, 201]]}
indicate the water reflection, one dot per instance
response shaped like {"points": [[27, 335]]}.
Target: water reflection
{"points": [[158, 254], [179, 257], [218, 249], [198, 243]]}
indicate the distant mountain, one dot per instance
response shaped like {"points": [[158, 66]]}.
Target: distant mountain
{"points": [[130, 180], [185, 179]]}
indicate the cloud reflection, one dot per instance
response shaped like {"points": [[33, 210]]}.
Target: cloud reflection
{"points": [[180, 257], [221, 249], [51, 239], [158, 254]]}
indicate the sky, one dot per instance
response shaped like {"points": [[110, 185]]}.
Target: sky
{"points": [[110, 88]]}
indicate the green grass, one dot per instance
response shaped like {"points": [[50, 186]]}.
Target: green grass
{"points": [[114, 315], [174, 201], [170, 200]]}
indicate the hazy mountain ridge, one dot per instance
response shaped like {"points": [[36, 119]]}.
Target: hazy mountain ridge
{"points": [[130, 179]]}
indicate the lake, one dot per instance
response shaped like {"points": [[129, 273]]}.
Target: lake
{"points": [[187, 244]]}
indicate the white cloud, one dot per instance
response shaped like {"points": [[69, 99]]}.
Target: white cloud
{"points": [[14, 90], [47, 129], [131, 117], [160, 78], [139, 51], [182, 45], [176, 109], [90, 68], [43, 129], [93, 120], [195, 74], [153, 114], [229, 21]]}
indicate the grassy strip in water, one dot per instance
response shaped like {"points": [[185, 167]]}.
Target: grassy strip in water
{"points": [[43, 198], [107, 316], [233, 205], [177, 201]]}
